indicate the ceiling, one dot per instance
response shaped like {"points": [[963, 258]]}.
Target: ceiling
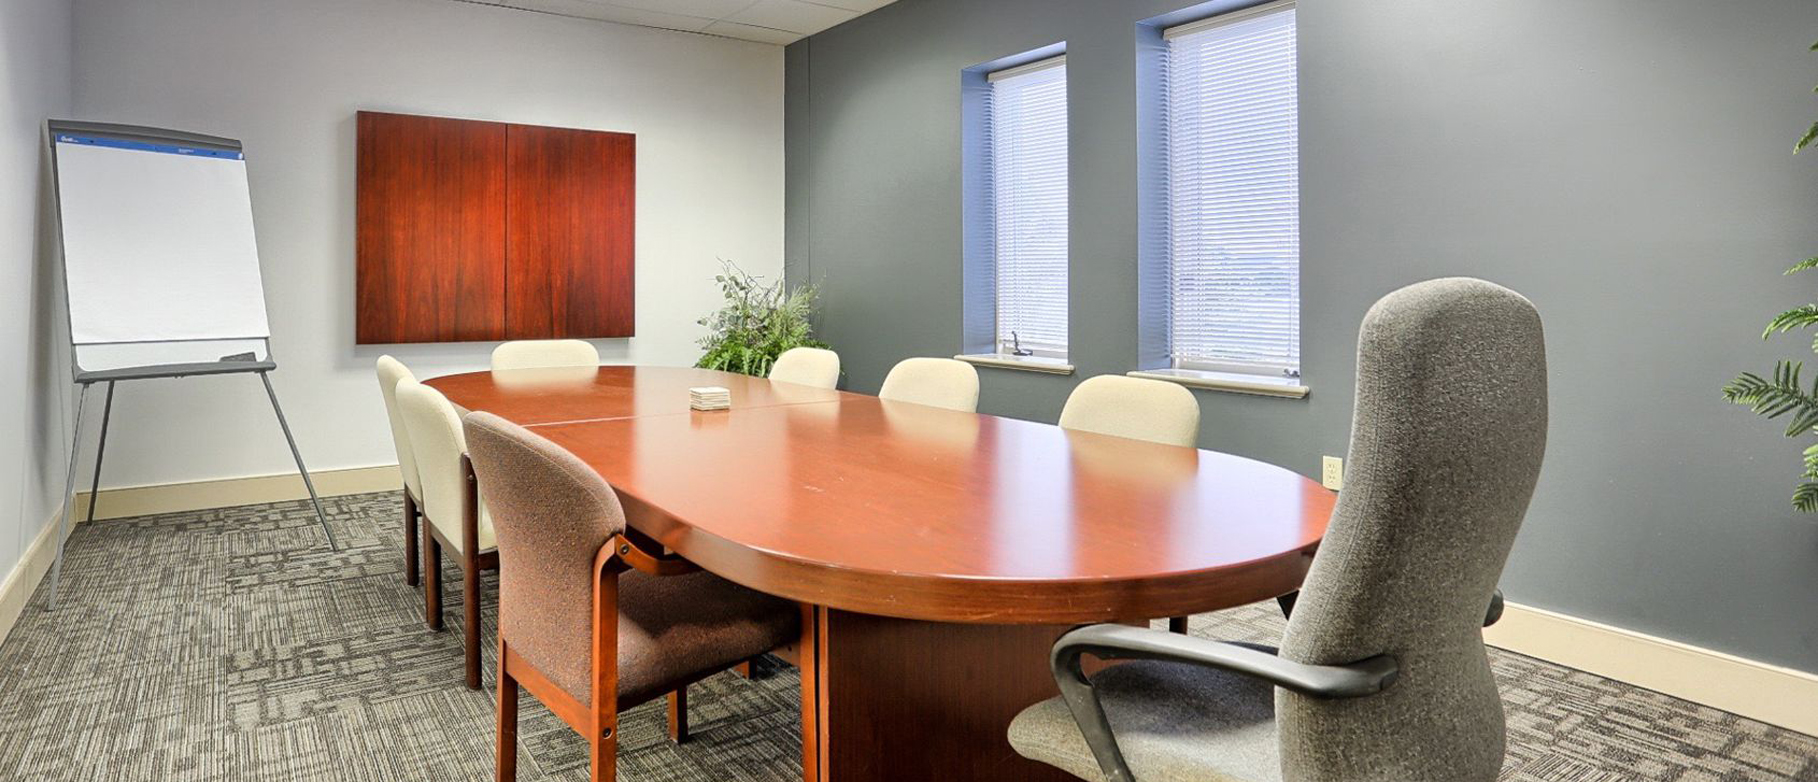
{"points": [[764, 21]]}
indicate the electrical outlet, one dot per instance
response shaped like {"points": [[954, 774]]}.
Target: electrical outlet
{"points": [[1332, 473]]}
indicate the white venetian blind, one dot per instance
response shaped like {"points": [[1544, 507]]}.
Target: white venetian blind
{"points": [[1233, 139], [1027, 127]]}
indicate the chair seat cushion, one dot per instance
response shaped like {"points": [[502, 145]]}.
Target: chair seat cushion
{"points": [[675, 628], [1174, 723]]}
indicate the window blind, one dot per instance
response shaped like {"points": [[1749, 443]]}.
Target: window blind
{"points": [[1233, 193], [1027, 143]]}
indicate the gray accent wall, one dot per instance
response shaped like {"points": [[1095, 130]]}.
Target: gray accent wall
{"points": [[1624, 163]]}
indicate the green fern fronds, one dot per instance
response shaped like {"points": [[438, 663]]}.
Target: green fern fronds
{"points": [[1777, 397], [1796, 318], [757, 323], [1806, 140], [1809, 263]]}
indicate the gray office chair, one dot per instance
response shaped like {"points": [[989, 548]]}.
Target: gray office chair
{"points": [[1382, 674]]}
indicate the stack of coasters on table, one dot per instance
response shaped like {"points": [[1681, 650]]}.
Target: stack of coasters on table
{"points": [[709, 398]]}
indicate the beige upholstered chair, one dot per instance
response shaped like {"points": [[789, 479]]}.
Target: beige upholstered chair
{"points": [[456, 517], [1382, 674], [807, 366], [936, 382], [541, 353], [1153, 410], [593, 617], [390, 372], [1137, 408]]}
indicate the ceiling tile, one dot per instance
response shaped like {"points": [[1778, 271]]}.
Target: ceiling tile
{"points": [[752, 33], [711, 9], [590, 9], [861, 6], [792, 15]]}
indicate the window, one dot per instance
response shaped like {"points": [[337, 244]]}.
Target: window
{"points": [[1231, 210], [1022, 156]]}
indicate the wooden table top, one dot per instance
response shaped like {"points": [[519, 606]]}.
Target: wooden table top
{"points": [[890, 508]]}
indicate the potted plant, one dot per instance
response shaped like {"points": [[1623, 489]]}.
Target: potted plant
{"points": [[1785, 394], [757, 323]]}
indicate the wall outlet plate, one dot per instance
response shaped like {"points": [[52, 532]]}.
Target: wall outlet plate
{"points": [[1332, 473]]}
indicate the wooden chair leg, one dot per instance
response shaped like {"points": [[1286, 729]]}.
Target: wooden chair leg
{"points": [[507, 749], [1177, 625], [743, 669], [603, 756], [470, 596], [410, 540], [432, 580], [678, 715]]}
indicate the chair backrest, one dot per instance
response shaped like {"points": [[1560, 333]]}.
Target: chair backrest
{"points": [[539, 353], [391, 371], [434, 429], [1446, 444], [1133, 407], [552, 513], [807, 366], [936, 382]]}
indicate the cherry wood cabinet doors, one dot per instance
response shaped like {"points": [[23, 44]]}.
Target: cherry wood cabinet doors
{"points": [[483, 231]]}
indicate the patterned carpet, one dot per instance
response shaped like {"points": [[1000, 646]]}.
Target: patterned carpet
{"points": [[229, 645]]}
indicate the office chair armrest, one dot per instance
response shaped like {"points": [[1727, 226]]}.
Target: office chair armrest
{"points": [[1122, 642], [1490, 617]]}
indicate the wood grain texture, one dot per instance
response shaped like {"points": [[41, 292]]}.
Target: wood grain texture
{"points": [[907, 701], [570, 239], [430, 229], [896, 509]]}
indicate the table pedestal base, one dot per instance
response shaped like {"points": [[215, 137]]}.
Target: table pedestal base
{"points": [[897, 699]]}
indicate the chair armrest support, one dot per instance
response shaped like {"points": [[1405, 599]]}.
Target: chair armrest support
{"points": [[624, 550], [1122, 642]]}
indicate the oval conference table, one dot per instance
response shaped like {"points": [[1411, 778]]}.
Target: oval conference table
{"points": [[936, 554]]}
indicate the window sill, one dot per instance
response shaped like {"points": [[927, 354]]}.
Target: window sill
{"points": [[1259, 385], [1052, 366]]}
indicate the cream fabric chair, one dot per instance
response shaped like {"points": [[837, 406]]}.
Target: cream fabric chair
{"points": [[455, 515], [1140, 409], [540, 353], [807, 366], [936, 382], [391, 371]]}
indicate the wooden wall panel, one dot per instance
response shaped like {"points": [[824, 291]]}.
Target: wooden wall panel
{"points": [[570, 233], [430, 236]]}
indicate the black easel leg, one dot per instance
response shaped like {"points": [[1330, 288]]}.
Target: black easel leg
{"points": [[298, 455], [69, 499], [94, 489]]}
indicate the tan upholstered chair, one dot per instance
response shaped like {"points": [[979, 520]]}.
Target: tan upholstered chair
{"points": [[542, 353], [390, 372], [1153, 410], [593, 618], [455, 516], [936, 382], [807, 366], [1137, 408]]}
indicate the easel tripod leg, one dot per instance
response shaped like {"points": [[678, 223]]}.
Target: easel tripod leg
{"points": [[94, 489], [69, 499], [298, 455]]}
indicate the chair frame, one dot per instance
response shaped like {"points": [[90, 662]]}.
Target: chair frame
{"points": [[472, 561], [413, 517], [598, 721]]}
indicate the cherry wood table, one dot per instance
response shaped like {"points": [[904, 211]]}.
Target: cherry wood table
{"points": [[937, 554]]}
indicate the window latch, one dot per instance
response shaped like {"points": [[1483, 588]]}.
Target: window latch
{"points": [[1016, 346]]}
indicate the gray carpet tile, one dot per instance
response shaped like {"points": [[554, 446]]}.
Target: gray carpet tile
{"points": [[230, 645]]}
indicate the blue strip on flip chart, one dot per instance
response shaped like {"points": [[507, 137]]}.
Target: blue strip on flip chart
{"points": [[147, 146]]}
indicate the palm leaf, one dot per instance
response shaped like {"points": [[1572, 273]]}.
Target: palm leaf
{"points": [[1809, 263], [1811, 134], [1796, 318], [1781, 396]]}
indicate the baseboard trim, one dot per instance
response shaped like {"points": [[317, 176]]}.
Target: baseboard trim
{"points": [[1759, 691], [202, 495], [19, 585]]}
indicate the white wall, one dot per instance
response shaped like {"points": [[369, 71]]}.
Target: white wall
{"points": [[35, 41], [286, 77]]}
